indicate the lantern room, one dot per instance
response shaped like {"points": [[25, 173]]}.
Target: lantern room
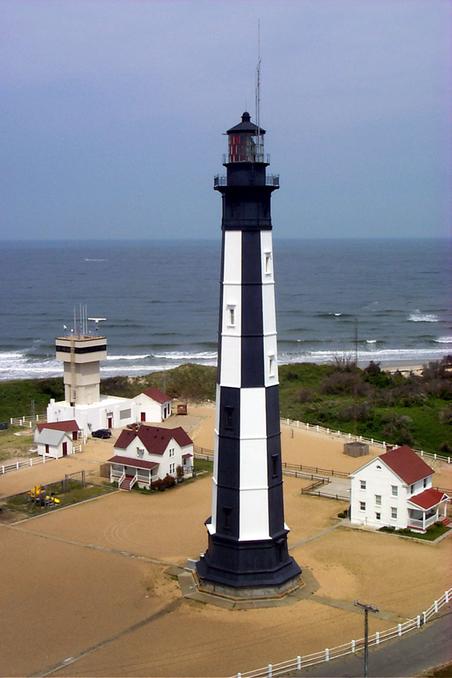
{"points": [[245, 142]]}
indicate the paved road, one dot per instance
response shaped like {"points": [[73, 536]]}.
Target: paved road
{"points": [[410, 656]]}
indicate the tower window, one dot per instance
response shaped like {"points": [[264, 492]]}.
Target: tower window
{"points": [[267, 263], [231, 315], [227, 510], [228, 417], [275, 459], [271, 365]]}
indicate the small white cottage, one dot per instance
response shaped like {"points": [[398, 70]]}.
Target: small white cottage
{"points": [[149, 453], [56, 439], [152, 405], [395, 490]]}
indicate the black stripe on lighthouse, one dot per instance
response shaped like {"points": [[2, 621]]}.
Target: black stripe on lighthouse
{"points": [[252, 341], [274, 467], [228, 473]]}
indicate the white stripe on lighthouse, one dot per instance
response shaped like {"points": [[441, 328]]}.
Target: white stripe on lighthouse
{"points": [[231, 323], [253, 522]]}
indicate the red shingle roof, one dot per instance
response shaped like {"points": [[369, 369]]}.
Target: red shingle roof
{"points": [[70, 425], [154, 438], [157, 395], [428, 498], [406, 464], [134, 463]]}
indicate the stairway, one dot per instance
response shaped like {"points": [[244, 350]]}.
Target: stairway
{"points": [[127, 483]]}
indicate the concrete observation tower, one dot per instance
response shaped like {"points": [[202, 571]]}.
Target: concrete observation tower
{"points": [[247, 553]]}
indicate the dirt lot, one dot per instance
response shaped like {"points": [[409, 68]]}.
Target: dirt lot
{"points": [[86, 594], [88, 574]]}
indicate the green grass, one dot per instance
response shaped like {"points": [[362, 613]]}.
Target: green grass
{"points": [[303, 397], [75, 494], [15, 446], [432, 533], [203, 465]]}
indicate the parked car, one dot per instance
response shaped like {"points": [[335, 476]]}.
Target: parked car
{"points": [[101, 433]]}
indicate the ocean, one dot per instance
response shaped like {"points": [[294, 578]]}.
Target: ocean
{"points": [[389, 300]]}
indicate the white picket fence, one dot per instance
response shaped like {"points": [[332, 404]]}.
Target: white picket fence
{"points": [[24, 463], [328, 654], [350, 436], [27, 421]]}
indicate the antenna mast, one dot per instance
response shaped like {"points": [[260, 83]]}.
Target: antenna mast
{"points": [[258, 94]]}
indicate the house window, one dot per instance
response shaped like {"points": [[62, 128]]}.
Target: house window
{"points": [[231, 315], [172, 467], [140, 452], [394, 490], [171, 452], [268, 263], [425, 482], [378, 499], [393, 512], [411, 489], [271, 365], [378, 516], [362, 484], [378, 467], [362, 505]]}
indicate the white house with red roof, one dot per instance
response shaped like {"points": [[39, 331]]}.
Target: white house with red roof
{"points": [[57, 439], [395, 490], [148, 453], [152, 406]]}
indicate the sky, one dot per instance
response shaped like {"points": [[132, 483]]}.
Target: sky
{"points": [[113, 113]]}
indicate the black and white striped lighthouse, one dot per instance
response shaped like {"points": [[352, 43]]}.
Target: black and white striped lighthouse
{"points": [[247, 535]]}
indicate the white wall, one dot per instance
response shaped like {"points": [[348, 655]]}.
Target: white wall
{"points": [[91, 418], [56, 451], [378, 482]]}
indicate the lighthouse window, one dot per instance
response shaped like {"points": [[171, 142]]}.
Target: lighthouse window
{"points": [[227, 510], [275, 458], [228, 416], [268, 263], [231, 316], [271, 365]]}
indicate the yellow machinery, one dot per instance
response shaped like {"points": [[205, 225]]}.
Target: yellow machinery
{"points": [[38, 495]]}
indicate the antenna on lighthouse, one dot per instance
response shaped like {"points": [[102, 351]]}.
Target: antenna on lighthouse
{"points": [[258, 93]]}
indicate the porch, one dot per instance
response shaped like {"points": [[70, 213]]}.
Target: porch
{"points": [[426, 509], [127, 472]]}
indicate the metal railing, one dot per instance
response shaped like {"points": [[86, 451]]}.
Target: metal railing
{"points": [[258, 156], [222, 180], [353, 646]]}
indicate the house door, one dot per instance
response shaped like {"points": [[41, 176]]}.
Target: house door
{"points": [[143, 416], [64, 449], [110, 422]]}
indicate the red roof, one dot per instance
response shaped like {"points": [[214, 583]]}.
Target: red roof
{"points": [[134, 463], [70, 425], [406, 464], [154, 438], [428, 498], [157, 395]]}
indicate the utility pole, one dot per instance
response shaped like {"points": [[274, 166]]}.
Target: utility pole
{"points": [[367, 608]]}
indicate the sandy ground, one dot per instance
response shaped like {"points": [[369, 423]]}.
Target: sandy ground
{"points": [[89, 569], [89, 582], [311, 448]]}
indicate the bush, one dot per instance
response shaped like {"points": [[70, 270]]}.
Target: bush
{"points": [[355, 412], [306, 395], [397, 429], [350, 383]]}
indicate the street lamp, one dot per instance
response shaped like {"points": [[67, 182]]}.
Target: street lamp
{"points": [[367, 608]]}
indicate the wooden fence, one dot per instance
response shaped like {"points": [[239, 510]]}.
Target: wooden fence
{"points": [[328, 654]]}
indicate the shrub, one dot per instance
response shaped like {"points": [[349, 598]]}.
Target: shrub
{"points": [[355, 412], [350, 383], [305, 395]]}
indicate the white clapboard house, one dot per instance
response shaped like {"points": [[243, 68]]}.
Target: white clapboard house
{"points": [[57, 439], [395, 490], [145, 454], [152, 406]]}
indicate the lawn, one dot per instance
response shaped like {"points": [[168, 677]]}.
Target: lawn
{"points": [[74, 495], [12, 445], [432, 533]]}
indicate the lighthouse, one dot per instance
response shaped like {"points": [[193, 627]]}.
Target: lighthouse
{"points": [[247, 551]]}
